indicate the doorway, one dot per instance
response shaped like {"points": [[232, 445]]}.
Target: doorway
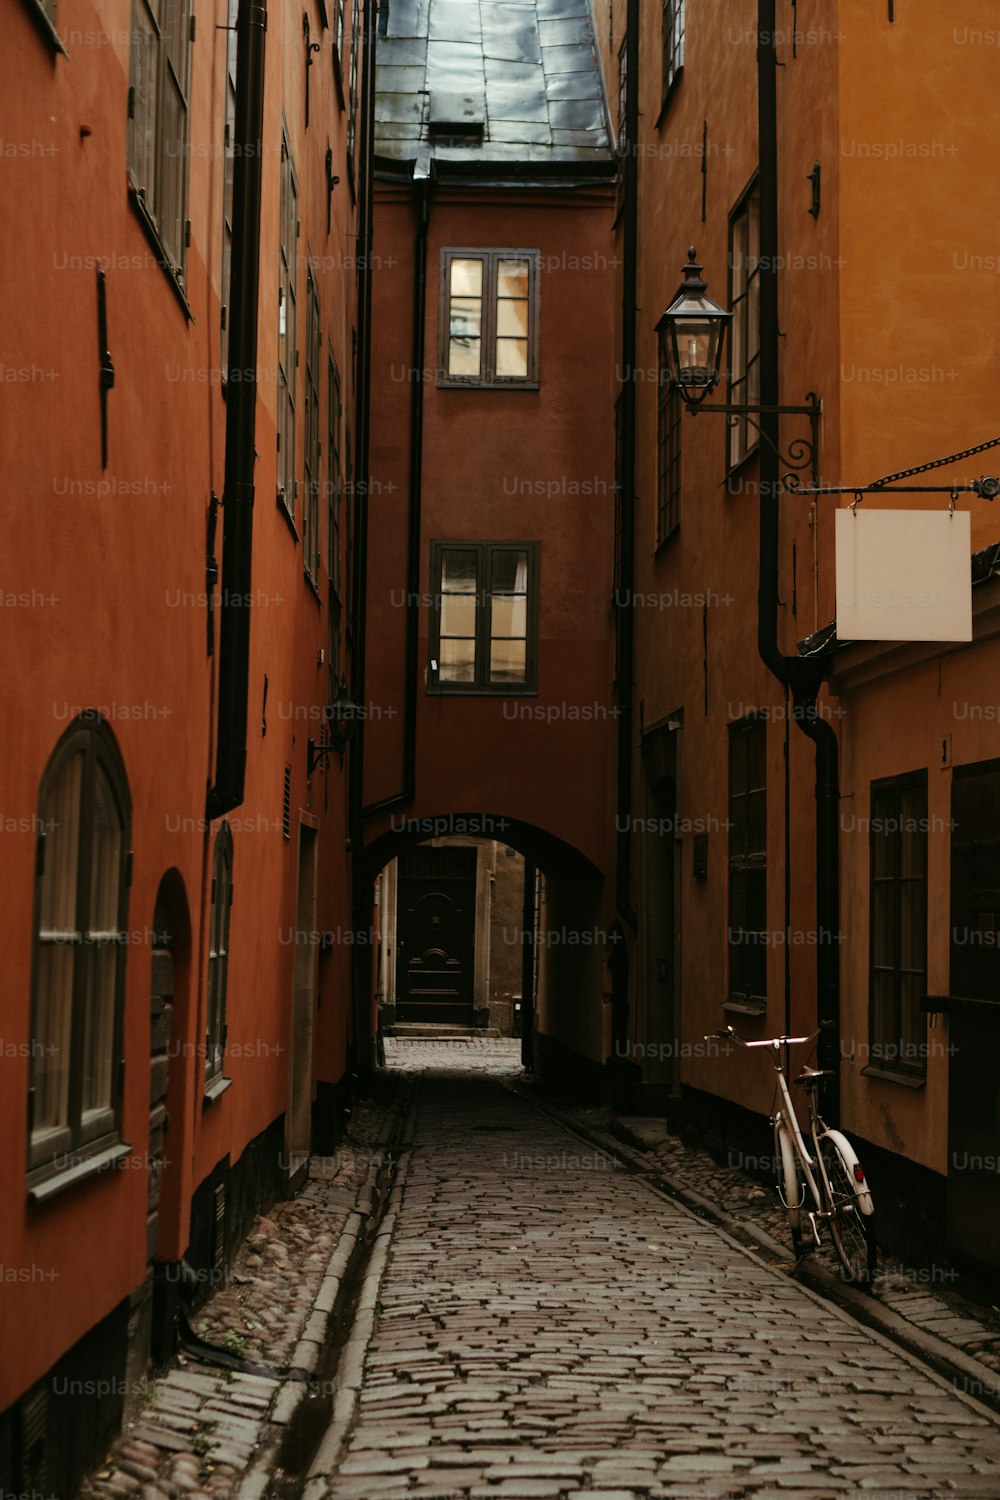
{"points": [[435, 935]]}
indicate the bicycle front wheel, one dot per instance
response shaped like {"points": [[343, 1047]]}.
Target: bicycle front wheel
{"points": [[852, 1232]]}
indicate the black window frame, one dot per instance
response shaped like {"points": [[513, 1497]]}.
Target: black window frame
{"points": [[287, 361], [746, 944], [739, 383], [669, 412], [488, 379], [887, 1053], [334, 480], [217, 970], [148, 198], [481, 686], [313, 446], [673, 27], [69, 1147]]}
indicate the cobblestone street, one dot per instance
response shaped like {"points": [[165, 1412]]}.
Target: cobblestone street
{"points": [[548, 1325]]}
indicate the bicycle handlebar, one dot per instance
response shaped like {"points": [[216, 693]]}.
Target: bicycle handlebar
{"points": [[728, 1034]]}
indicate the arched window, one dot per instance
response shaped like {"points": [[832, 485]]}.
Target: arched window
{"points": [[218, 954], [81, 924]]}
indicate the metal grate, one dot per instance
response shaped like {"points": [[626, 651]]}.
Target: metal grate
{"points": [[219, 1228], [286, 806]]}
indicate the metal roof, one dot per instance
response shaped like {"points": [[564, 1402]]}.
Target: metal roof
{"points": [[519, 80]]}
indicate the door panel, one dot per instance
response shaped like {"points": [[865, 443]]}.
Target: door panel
{"points": [[435, 935]]}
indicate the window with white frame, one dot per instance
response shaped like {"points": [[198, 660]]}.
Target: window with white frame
{"points": [[81, 922]]}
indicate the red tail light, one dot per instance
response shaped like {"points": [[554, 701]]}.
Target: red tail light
{"points": [[859, 1172]]}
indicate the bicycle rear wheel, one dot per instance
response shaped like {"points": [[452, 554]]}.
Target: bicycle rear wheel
{"points": [[852, 1232]]}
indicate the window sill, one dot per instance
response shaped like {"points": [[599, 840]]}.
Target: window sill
{"points": [[46, 27], [671, 536], [450, 383], [216, 1089], [886, 1075], [744, 1008], [90, 1166], [737, 468], [153, 235], [668, 96], [289, 518], [435, 690]]}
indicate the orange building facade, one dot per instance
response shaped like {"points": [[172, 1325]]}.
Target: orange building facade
{"points": [[177, 896], [867, 199]]}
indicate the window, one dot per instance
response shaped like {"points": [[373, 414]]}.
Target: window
{"points": [[159, 68], [898, 953], [310, 464], [333, 418], [44, 12], [617, 547], [352, 98], [485, 607], [622, 121], [748, 864], [81, 923], [228, 162], [288, 252], [489, 318], [218, 955], [668, 451], [349, 527], [673, 44], [744, 290]]}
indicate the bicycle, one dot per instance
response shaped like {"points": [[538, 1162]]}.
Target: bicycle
{"points": [[832, 1175]]}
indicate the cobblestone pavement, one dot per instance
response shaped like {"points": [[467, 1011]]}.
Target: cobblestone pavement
{"points": [[195, 1428], [550, 1326]]}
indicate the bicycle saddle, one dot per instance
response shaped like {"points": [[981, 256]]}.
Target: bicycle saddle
{"points": [[810, 1077]]}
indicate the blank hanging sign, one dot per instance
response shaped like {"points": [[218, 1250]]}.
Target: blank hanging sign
{"points": [[904, 575]]}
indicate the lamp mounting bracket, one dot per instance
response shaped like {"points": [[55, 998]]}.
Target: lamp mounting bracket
{"points": [[803, 453]]}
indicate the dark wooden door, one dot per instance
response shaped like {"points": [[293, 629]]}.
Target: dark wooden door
{"points": [[974, 1019], [435, 927]]}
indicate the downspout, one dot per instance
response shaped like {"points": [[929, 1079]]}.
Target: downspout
{"points": [[626, 610], [421, 187], [362, 896], [238, 488], [803, 678]]}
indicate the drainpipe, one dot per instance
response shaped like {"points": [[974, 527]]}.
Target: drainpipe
{"points": [[237, 537], [803, 678], [421, 186], [362, 895], [626, 611]]}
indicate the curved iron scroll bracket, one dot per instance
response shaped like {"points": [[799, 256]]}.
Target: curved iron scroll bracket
{"points": [[802, 453]]}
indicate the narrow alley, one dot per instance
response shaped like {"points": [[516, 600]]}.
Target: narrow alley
{"points": [[549, 1326]]}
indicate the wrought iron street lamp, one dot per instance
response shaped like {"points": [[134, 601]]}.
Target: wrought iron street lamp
{"points": [[342, 715], [691, 332]]}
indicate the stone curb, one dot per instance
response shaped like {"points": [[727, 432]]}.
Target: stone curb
{"points": [[256, 1482], [968, 1377], [350, 1370]]}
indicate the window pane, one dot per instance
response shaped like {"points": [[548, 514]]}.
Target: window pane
{"points": [[105, 863], [913, 924], [509, 615], [464, 357], [510, 572], [143, 75], [884, 925], [883, 992], [467, 278], [458, 614], [457, 661], [508, 661], [466, 318], [61, 826], [169, 196], [458, 572], [512, 278], [512, 357], [512, 319], [98, 1022], [912, 830], [51, 1042]]}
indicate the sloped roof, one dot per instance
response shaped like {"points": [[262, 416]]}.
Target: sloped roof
{"points": [[501, 81]]}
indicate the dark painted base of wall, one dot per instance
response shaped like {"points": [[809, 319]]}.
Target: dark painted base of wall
{"points": [[330, 1116], [567, 1072], [249, 1187], [84, 1399]]}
